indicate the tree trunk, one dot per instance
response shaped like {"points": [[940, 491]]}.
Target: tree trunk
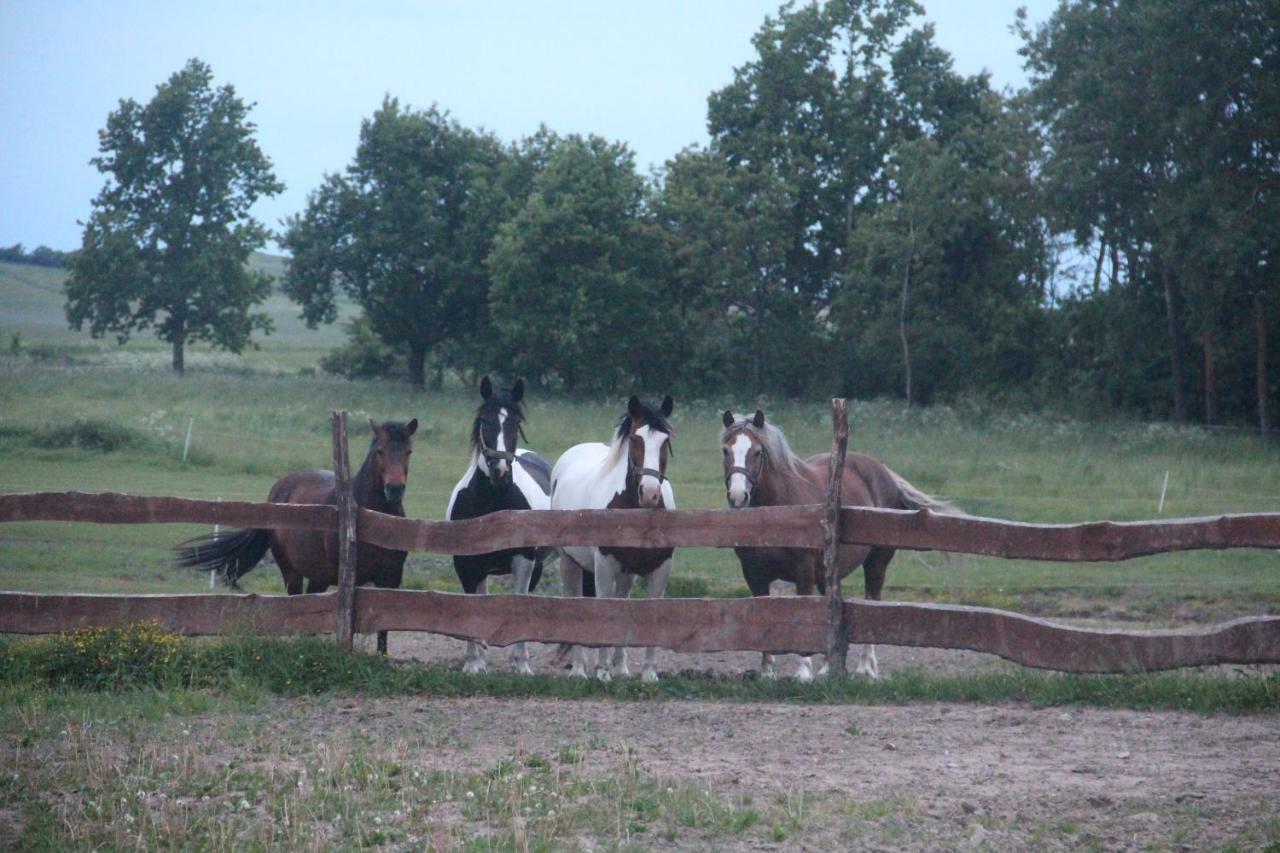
{"points": [[1210, 389], [1097, 269], [1260, 336], [179, 365], [902, 316], [1175, 340], [417, 365], [437, 380]]}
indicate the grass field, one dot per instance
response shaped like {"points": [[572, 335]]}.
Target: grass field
{"points": [[286, 744], [258, 415]]}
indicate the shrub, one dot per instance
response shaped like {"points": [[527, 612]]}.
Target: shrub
{"points": [[99, 435], [136, 655], [364, 356]]}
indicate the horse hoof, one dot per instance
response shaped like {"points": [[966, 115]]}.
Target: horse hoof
{"points": [[825, 669], [604, 675], [769, 674], [650, 676], [623, 672], [523, 668], [473, 667], [804, 675], [869, 671], [577, 672]]}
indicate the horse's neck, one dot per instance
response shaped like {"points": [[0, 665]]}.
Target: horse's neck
{"points": [[787, 486], [366, 489]]}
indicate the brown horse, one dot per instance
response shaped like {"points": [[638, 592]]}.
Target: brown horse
{"points": [[312, 555], [761, 470]]}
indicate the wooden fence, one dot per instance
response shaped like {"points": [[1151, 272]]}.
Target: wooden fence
{"points": [[802, 625]]}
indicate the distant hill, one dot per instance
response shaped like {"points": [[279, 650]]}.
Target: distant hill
{"points": [[32, 300]]}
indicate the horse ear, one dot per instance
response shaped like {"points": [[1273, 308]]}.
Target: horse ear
{"points": [[758, 420], [517, 390], [633, 406], [411, 427], [728, 419], [486, 388], [376, 427], [667, 405]]}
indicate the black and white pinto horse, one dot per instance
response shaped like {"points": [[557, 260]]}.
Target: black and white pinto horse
{"points": [[499, 477], [627, 473]]}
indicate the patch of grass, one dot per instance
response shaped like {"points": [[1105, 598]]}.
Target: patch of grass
{"points": [[301, 666]]}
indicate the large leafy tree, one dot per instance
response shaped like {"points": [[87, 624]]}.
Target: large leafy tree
{"points": [[1162, 120], [577, 298], [169, 235], [404, 232]]}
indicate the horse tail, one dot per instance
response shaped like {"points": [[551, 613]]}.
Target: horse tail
{"points": [[913, 498], [537, 570], [231, 553]]}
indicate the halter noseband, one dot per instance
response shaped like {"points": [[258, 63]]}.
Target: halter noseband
{"points": [[753, 477]]}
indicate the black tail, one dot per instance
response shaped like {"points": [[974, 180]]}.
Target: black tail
{"points": [[231, 553]]}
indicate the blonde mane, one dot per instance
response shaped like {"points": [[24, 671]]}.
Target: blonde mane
{"points": [[771, 438]]}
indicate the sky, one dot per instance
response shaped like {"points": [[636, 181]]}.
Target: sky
{"points": [[639, 72]]}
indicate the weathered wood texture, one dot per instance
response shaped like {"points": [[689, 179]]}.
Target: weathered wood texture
{"points": [[42, 613], [344, 609], [112, 508], [795, 527], [922, 530], [837, 634], [1047, 645], [684, 625], [679, 624]]}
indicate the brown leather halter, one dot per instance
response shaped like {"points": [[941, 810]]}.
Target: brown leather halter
{"points": [[753, 477]]}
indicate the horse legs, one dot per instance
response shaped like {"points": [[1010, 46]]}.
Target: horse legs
{"points": [[522, 572], [475, 651], [571, 585], [805, 581], [657, 588], [874, 569], [622, 589], [607, 571]]}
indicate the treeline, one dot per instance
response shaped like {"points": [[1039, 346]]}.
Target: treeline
{"points": [[865, 220], [40, 256]]}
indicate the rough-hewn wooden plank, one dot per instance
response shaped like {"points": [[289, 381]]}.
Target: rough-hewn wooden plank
{"points": [[344, 610], [922, 530], [837, 636], [112, 508], [795, 526], [788, 624], [39, 613], [1047, 645]]}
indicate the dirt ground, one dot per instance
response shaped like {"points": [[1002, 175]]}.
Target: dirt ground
{"points": [[922, 776]]}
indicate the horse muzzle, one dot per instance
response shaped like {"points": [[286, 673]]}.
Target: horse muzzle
{"points": [[394, 492]]}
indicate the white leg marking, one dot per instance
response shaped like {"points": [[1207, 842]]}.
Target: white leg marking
{"points": [[606, 587], [868, 665], [767, 668], [522, 570], [657, 589], [804, 670]]}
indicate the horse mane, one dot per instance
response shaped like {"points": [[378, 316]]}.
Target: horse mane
{"points": [[771, 438], [497, 401], [651, 417]]}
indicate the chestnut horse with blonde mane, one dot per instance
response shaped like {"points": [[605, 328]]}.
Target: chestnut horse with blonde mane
{"points": [[760, 469]]}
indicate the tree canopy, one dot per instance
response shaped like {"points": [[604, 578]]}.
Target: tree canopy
{"points": [[169, 235]]}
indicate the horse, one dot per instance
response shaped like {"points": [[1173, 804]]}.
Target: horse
{"points": [[312, 555], [498, 477], [627, 473], [760, 469]]}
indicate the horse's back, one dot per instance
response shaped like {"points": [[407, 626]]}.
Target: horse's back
{"points": [[533, 477], [575, 479], [309, 486]]}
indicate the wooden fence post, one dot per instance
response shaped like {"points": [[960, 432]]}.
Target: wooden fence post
{"points": [[345, 612], [837, 629]]}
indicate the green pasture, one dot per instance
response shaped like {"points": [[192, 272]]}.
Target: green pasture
{"points": [[94, 416]]}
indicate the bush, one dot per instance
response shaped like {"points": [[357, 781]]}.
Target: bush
{"points": [[364, 356], [137, 655], [102, 436]]}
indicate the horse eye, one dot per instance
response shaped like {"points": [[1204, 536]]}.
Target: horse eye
{"points": [[726, 450]]}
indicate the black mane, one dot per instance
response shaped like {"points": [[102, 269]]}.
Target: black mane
{"points": [[648, 415], [496, 402]]}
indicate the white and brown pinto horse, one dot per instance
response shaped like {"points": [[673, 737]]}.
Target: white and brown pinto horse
{"points": [[761, 470], [627, 473]]}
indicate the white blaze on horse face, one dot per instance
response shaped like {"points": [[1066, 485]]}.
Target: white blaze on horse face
{"points": [[739, 489], [503, 466], [651, 486]]}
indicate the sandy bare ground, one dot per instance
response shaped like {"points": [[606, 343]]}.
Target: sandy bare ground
{"points": [[916, 777]]}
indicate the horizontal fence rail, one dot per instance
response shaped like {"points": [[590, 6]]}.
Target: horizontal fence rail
{"points": [[791, 624], [795, 527]]}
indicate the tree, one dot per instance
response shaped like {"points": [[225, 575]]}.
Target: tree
{"points": [[404, 232], [169, 235], [575, 296]]}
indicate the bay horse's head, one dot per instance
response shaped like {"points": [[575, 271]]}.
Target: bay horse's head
{"points": [[647, 434], [745, 456], [496, 431], [389, 455]]}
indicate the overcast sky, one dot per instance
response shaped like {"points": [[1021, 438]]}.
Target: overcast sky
{"points": [[639, 72]]}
